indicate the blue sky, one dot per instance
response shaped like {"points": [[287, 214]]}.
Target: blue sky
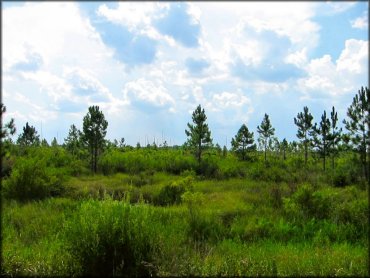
{"points": [[149, 64]]}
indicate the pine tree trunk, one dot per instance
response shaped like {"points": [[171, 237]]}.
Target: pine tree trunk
{"points": [[199, 151], [365, 162], [324, 156], [92, 158], [95, 159], [305, 153], [243, 154], [332, 162], [265, 152]]}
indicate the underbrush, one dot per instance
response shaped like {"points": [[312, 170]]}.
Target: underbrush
{"points": [[67, 237]]}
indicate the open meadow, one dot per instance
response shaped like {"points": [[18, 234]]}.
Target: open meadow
{"points": [[163, 214]]}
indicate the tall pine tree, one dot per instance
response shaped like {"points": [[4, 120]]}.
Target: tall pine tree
{"points": [[199, 133], [335, 135], [29, 136], [322, 137], [358, 125], [243, 142], [94, 131], [265, 131], [8, 128], [73, 141], [304, 124], [284, 146]]}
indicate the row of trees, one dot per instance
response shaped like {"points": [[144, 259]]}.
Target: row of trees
{"points": [[324, 137]]}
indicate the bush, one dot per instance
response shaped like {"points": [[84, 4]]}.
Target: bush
{"points": [[141, 179], [7, 164], [208, 167], [202, 226], [251, 229], [32, 179], [171, 193], [176, 163], [109, 238]]}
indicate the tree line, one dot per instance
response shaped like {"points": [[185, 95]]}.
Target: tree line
{"points": [[324, 137]]}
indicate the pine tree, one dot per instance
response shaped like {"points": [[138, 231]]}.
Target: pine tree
{"points": [[73, 141], [94, 131], [29, 136], [304, 123], [358, 126], [6, 131], [284, 147], [8, 128], [44, 143], [243, 142], [54, 142], [122, 142], [265, 131], [199, 133], [322, 137], [218, 149], [335, 135], [224, 151]]}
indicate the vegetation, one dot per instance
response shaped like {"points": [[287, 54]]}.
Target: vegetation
{"points": [[199, 133], [358, 125], [266, 131], [304, 123], [163, 211], [94, 131], [243, 142]]}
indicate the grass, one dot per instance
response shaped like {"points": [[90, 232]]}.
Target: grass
{"points": [[236, 226]]}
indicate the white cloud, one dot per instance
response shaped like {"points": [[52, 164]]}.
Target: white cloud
{"points": [[360, 22], [230, 100], [354, 57], [137, 17], [341, 77], [84, 83], [43, 27], [297, 58], [74, 57], [147, 91], [54, 86], [336, 7]]}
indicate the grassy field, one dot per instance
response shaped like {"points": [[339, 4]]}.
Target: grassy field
{"points": [[158, 223]]}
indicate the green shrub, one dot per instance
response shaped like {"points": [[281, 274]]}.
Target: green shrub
{"points": [[32, 179], [7, 164], [208, 167], [109, 238], [171, 193], [251, 229], [202, 226], [143, 178], [175, 164], [306, 203]]}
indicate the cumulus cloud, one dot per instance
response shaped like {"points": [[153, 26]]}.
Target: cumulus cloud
{"points": [[148, 93], [229, 100], [361, 22], [354, 57], [84, 83], [141, 60], [339, 77]]}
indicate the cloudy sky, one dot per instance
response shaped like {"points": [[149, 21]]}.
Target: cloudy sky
{"points": [[148, 65]]}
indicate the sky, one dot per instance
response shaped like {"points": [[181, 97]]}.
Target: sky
{"points": [[148, 65]]}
